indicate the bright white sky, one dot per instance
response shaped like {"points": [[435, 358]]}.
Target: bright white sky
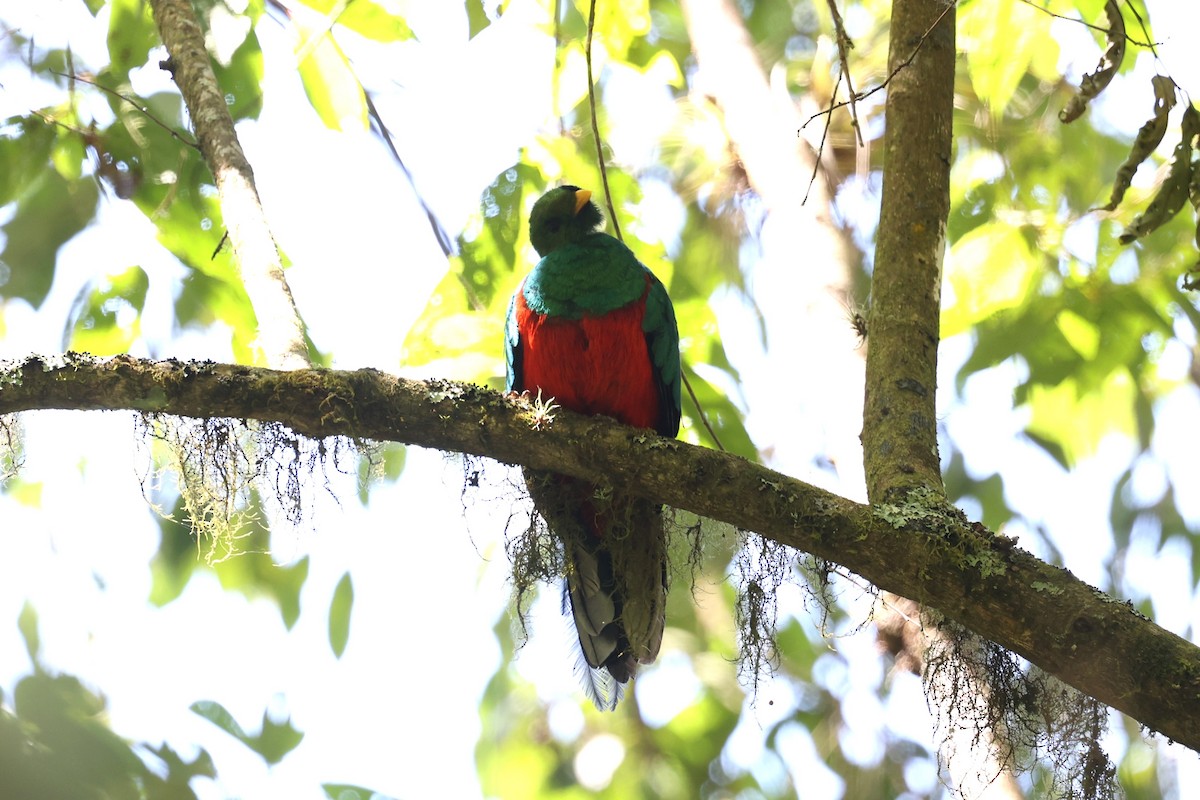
{"points": [[398, 712]]}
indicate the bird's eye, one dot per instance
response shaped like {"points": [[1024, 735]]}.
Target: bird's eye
{"points": [[553, 225]]}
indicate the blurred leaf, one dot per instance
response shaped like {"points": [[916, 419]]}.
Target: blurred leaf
{"points": [[990, 270], [179, 774], [460, 332], [273, 742], [989, 492], [131, 36], [724, 417], [346, 791], [27, 624], [176, 558], [255, 574], [25, 148], [365, 17], [107, 315], [999, 43], [276, 740], [242, 78], [46, 218], [69, 154], [73, 748], [217, 714], [205, 300], [27, 493], [477, 18], [1069, 424], [330, 82], [339, 615]]}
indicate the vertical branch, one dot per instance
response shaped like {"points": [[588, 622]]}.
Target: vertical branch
{"points": [[844, 46], [899, 418], [280, 329]]}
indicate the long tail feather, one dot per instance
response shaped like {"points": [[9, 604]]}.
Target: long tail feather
{"points": [[598, 683], [616, 578]]}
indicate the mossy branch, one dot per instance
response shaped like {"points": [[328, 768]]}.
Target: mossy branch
{"points": [[983, 581]]}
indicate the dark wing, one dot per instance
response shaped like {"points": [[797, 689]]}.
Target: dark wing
{"points": [[515, 380], [662, 340]]}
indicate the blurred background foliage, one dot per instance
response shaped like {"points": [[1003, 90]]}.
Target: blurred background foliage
{"points": [[1076, 345]]}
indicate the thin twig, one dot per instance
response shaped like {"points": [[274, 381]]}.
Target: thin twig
{"points": [[844, 46], [1095, 27], [144, 109], [612, 211], [700, 411], [554, 78], [812, 179], [902, 65], [1142, 23], [439, 232]]}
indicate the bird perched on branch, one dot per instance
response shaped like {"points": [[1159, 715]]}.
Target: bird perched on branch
{"points": [[593, 328]]}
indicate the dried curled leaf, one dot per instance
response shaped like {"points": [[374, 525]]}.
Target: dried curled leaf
{"points": [[1194, 190], [1149, 136], [1191, 281], [1175, 189], [1093, 83]]}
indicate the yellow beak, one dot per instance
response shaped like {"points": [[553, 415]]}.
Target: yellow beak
{"points": [[581, 199]]}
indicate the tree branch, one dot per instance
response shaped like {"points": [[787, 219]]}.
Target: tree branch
{"points": [[1089, 640], [280, 329]]}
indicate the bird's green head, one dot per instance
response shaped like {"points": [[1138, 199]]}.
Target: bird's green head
{"points": [[562, 216]]}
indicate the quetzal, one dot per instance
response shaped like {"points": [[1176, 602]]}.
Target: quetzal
{"points": [[594, 329]]}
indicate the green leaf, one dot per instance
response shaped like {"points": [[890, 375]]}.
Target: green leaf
{"points": [[254, 574], [27, 624], [330, 82], [365, 17], [276, 740], [241, 79], [991, 269], [339, 615], [69, 751], [179, 774], [1069, 424], [131, 36], [1000, 41], [217, 714], [25, 149], [477, 18], [175, 562], [346, 791], [107, 315], [45, 220]]}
